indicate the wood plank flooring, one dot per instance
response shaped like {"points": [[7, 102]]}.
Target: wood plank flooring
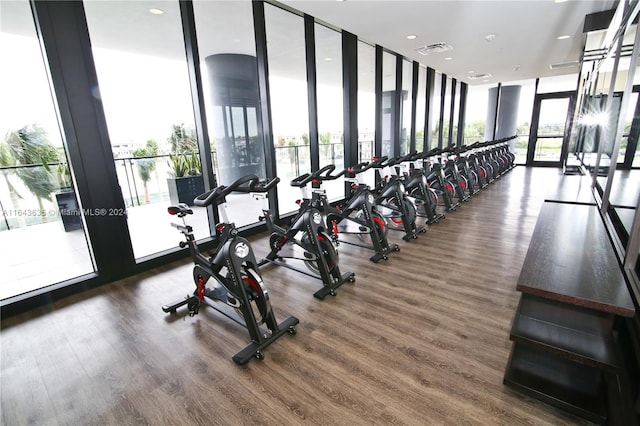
{"points": [[422, 338]]}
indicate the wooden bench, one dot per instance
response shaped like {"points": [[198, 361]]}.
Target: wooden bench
{"points": [[565, 350]]}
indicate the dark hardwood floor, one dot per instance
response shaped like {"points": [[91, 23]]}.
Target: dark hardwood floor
{"points": [[422, 338]]}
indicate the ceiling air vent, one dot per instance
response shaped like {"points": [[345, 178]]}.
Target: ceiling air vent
{"points": [[564, 65], [435, 48], [479, 76]]}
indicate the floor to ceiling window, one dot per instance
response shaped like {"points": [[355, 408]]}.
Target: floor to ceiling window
{"points": [[366, 101], [289, 100], [406, 126], [434, 114], [456, 113], [421, 103], [388, 112], [140, 61], [226, 44], [446, 113], [330, 99], [42, 237]]}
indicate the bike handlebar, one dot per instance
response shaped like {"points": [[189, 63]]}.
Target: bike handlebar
{"points": [[246, 184], [322, 174]]}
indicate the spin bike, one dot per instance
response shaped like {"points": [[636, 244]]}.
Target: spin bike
{"points": [[307, 234], [239, 289], [357, 215], [425, 197], [437, 180], [390, 197]]}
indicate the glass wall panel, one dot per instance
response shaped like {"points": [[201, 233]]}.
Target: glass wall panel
{"points": [[436, 111], [388, 96], [406, 126], [329, 95], [229, 69], [456, 113], [366, 101], [289, 100], [149, 115], [476, 113], [446, 114], [525, 112], [421, 104], [42, 238]]}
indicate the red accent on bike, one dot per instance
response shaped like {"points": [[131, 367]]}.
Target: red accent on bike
{"points": [[463, 184], [201, 289], [334, 227], [379, 222], [298, 202], [320, 238], [220, 227], [253, 284], [315, 181], [354, 186]]}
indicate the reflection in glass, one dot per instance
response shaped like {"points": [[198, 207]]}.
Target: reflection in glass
{"points": [[149, 115], [289, 100], [329, 95], [232, 102], [37, 197]]}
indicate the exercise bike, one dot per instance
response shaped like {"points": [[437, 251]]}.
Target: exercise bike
{"points": [[391, 199], [425, 198], [307, 235], [239, 291], [357, 215]]}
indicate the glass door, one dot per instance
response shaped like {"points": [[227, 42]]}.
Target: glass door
{"points": [[550, 129]]}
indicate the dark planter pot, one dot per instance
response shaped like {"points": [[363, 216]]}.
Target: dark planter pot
{"points": [[69, 211], [185, 189]]}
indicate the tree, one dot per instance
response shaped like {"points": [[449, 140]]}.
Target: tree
{"points": [[182, 141], [146, 165], [30, 147]]}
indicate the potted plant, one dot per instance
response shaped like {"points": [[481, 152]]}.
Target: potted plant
{"points": [[185, 181]]}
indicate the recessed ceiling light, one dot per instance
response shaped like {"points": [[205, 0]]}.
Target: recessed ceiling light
{"points": [[328, 59], [155, 11], [470, 72], [411, 36], [560, 1], [516, 67], [448, 58], [490, 37], [564, 37]]}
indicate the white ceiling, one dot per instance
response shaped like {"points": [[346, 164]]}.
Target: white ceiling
{"points": [[525, 32]]}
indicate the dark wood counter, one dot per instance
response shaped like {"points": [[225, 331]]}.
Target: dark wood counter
{"points": [[570, 259], [565, 350]]}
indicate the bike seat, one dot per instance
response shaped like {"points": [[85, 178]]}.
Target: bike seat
{"points": [[180, 210]]}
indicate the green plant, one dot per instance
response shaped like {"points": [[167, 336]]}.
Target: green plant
{"points": [[30, 147], [177, 165], [146, 165]]}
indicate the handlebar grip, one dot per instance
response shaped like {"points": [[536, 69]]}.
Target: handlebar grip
{"points": [[302, 180], [219, 193], [325, 171], [264, 186]]}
